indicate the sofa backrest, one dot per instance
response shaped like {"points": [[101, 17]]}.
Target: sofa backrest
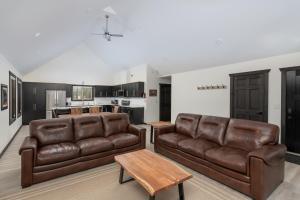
{"points": [[212, 128], [250, 135], [187, 124], [115, 123], [52, 131], [88, 127]]}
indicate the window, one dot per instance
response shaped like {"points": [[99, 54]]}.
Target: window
{"points": [[82, 93], [12, 98]]}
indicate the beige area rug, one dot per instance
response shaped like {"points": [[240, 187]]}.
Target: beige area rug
{"points": [[102, 184]]}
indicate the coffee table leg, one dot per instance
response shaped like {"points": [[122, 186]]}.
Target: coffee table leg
{"points": [[151, 197], [151, 135], [181, 191], [121, 177]]}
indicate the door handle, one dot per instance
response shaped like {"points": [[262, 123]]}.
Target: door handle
{"points": [[259, 113]]}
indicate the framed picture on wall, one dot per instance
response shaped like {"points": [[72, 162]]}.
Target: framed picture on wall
{"points": [[152, 93], [4, 97]]}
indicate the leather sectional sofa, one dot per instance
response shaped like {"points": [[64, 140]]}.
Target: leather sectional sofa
{"points": [[242, 154], [58, 147]]}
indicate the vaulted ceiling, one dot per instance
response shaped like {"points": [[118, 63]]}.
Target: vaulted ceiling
{"points": [[169, 35]]}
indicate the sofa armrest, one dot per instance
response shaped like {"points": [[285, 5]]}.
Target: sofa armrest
{"points": [[266, 170], [140, 132], [28, 143], [164, 129], [28, 151], [271, 154]]}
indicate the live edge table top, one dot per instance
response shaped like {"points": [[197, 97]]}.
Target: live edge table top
{"points": [[152, 171]]}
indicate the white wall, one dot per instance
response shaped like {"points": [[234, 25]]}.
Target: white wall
{"points": [[150, 77], [152, 103], [186, 97], [77, 66], [7, 131]]}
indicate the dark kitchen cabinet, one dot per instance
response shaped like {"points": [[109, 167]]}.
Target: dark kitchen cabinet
{"points": [[34, 102], [106, 108], [134, 89], [136, 115], [34, 99], [103, 91], [115, 90]]}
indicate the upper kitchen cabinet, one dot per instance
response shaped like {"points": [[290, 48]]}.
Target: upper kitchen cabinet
{"points": [[115, 90], [134, 89], [103, 91]]}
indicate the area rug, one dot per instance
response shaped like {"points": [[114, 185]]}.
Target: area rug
{"points": [[102, 184]]}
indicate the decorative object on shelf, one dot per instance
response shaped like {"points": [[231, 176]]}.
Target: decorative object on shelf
{"points": [[4, 97], [152, 93], [211, 87]]}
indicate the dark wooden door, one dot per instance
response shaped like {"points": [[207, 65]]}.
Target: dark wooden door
{"points": [[249, 95], [292, 137], [165, 102]]}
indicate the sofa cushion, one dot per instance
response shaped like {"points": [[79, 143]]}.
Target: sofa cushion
{"points": [[94, 145], [87, 127], [122, 140], [231, 158], [196, 147], [115, 123], [212, 128], [52, 131], [171, 139], [57, 153], [250, 135], [187, 124]]}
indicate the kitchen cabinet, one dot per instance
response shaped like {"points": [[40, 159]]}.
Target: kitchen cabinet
{"points": [[115, 90], [103, 91], [136, 114], [134, 89], [34, 99]]}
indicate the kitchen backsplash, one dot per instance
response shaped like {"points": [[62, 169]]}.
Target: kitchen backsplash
{"points": [[107, 101]]}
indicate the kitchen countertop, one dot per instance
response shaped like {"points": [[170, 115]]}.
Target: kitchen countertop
{"points": [[100, 105]]}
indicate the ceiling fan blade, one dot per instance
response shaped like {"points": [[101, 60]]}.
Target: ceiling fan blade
{"points": [[116, 35], [98, 34]]}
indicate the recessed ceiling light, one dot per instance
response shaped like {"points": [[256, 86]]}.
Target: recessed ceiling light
{"points": [[109, 9], [37, 35]]}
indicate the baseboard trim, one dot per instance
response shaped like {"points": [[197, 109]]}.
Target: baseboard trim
{"points": [[292, 158], [3, 151]]}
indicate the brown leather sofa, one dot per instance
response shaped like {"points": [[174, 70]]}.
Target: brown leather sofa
{"points": [[58, 147], [242, 154]]}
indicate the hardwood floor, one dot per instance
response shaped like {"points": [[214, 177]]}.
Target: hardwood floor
{"points": [[199, 187]]}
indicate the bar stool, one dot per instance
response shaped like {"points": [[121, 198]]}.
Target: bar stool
{"points": [[95, 109], [76, 111]]}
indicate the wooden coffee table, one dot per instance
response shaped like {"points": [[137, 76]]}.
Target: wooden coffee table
{"points": [[152, 171]]}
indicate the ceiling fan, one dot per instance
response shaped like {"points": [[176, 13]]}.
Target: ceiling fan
{"points": [[107, 35]]}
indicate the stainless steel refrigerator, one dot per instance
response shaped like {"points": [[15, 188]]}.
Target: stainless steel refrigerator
{"points": [[54, 99]]}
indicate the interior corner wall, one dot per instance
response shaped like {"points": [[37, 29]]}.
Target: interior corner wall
{"points": [[7, 131], [79, 65], [186, 97]]}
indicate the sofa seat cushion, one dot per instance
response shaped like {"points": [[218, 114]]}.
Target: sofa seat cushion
{"points": [[122, 140], [196, 147], [94, 145], [171, 139], [57, 153], [231, 158]]}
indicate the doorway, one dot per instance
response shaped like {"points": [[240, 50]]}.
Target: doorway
{"points": [[249, 95], [290, 112], [165, 102]]}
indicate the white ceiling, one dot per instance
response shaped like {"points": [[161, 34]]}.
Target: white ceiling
{"points": [[169, 35]]}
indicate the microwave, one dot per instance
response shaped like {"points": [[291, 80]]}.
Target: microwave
{"points": [[121, 93]]}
